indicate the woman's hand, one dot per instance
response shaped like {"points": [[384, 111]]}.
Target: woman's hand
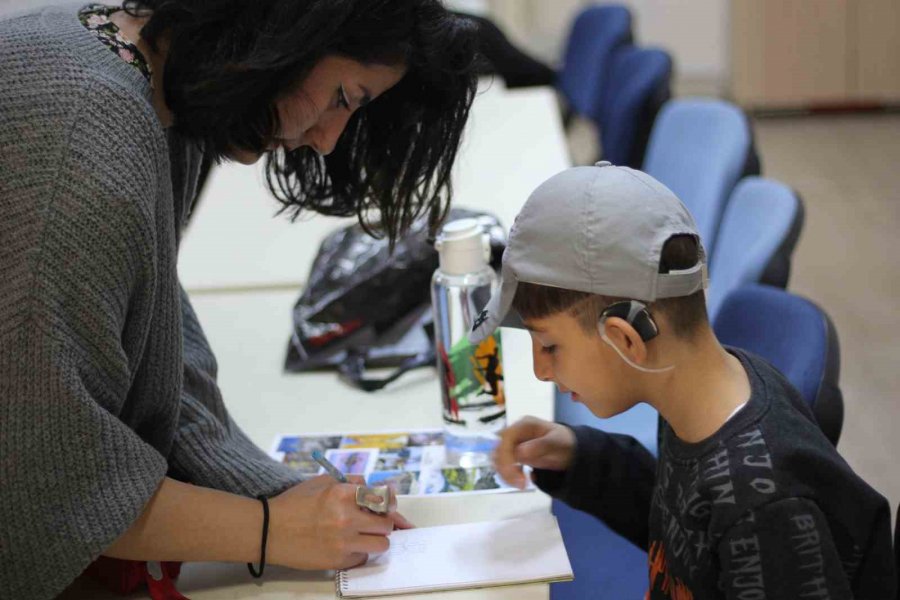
{"points": [[534, 442], [399, 520], [318, 525]]}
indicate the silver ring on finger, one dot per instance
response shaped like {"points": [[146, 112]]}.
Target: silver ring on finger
{"points": [[375, 499]]}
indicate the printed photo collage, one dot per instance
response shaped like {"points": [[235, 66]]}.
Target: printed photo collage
{"points": [[411, 463]]}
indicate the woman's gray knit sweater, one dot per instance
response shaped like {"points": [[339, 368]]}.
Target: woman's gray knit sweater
{"points": [[107, 382]]}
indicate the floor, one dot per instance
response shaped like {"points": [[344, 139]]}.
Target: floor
{"points": [[847, 170]]}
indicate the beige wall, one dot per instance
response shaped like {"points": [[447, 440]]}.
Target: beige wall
{"points": [[695, 32], [797, 53]]}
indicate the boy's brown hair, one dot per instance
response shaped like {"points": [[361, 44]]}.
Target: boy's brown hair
{"points": [[685, 314]]}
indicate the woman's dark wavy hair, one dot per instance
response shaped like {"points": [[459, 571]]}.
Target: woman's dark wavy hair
{"points": [[229, 61]]}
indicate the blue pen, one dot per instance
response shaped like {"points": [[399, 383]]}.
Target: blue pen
{"points": [[332, 470]]}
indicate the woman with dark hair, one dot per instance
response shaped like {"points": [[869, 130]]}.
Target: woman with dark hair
{"points": [[114, 438]]}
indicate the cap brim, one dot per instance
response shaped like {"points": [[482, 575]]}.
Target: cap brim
{"points": [[497, 312]]}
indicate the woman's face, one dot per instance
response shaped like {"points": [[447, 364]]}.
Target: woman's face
{"points": [[315, 113]]}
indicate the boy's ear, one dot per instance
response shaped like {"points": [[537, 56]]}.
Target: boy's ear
{"points": [[634, 313], [625, 337]]}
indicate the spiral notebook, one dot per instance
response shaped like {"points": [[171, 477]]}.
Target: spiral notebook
{"points": [[456, 557]]}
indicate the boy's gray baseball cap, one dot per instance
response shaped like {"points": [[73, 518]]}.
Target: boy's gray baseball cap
{"points": [[600, 230]]}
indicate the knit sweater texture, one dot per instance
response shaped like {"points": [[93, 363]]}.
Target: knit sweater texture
{"points": [[107, 383]]}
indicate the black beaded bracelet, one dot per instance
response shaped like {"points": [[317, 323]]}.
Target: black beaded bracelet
{"points": [[265, 539]]}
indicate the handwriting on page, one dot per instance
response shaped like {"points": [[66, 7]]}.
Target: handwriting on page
{"points": [[409, 547]]}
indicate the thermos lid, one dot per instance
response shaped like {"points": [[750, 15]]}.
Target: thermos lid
{"points": [[463, 247]]}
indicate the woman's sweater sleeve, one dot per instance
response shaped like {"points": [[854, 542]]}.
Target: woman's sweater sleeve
{"points": [[210, 449], [78, 275]]}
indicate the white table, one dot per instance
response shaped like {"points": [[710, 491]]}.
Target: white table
{"points": [[244, 271], [249, 332]]}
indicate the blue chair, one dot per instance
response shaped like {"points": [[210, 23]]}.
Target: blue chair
{"points": [[605, 564], [700, 148], [759, 231], [596, 32], [797, 337], [637, 87], [639, 421]]}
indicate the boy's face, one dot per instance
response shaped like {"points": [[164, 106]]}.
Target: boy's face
{"points": [[578, 362]]}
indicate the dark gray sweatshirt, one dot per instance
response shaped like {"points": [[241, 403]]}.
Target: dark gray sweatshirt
{"points": [[763, 508]]}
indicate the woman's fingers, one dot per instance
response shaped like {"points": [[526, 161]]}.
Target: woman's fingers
{"points": [[369, 544], [370, 523], [401, 522], [317, 524], [354, 559]]}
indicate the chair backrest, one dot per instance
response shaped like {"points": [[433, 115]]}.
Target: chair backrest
{"points": [[637, 86], [759, 230], [797, 337], [596, 32], [700, 148], [603, 562]]}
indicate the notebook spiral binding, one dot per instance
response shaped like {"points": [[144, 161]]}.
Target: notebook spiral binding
{"points": [[340, 582]]}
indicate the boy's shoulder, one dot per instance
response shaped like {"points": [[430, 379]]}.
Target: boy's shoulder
{"points": [[770, 483], [771, 450]]}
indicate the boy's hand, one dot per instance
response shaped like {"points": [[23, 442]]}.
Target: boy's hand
{"points": [[534, 442]]}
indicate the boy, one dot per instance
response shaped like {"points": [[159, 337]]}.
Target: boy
{"points": [[748, 498]]}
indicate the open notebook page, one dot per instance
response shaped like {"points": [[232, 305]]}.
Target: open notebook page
{"points": [[470, 555]]}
